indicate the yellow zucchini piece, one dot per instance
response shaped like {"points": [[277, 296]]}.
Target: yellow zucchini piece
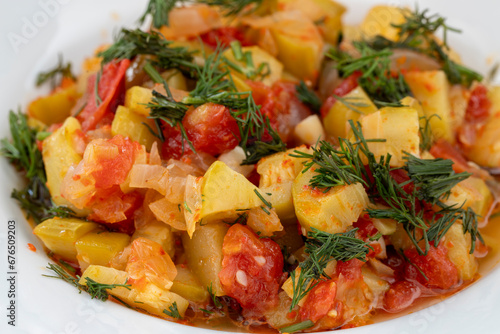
{"points": [[333, 211], [204, 254], [458, 245], [336, 121], [400, 129], [99, 247], [56, 107], [224, 191], [259, 57], [474, 193], [159, 232], [380, 20], [59, 154], [431, 89], [300, 46], [310, 130], [188, 286], [326, 14], [132, 125], [151, 298], [277, 173], [60, 235], [486, 149], [136, 98], [377, 286]]}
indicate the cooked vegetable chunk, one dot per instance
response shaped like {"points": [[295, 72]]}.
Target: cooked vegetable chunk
{"points": [[99, 247], [204, 254], [332, 211], [60, 235]]}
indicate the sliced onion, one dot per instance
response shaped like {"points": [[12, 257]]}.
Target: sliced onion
{"points": [[403, 59], [169, 213], [264, 223], [149, 176]]}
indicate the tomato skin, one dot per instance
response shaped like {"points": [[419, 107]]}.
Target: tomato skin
{"points": [[478, 108], [344, 88], [211, 129], [224, 36], [400, 295], [258, 261], [174, 146], [281, 105], [440, 271], [351, 269], [319, 301], [114, 170], [111, 90]]}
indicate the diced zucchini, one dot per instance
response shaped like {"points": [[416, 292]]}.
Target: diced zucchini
{"points": [[485, 151], [326, 14], [332, 211], [149, 298], [458, 245], [385, 226], [204, 254], [299, 42], [188, 286], [224, 191], [159, 232], [60, 235], [99, 247], [400, 129], [277, 173], [136, 99], [59, 154], [134, 126], [56, 107], [335, 122], [259, 57], [474, 193], [310, 130], [380, 20], [431, 88]]}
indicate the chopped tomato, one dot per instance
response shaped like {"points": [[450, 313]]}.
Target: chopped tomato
{"points": [[115, 210], [174, 146], [114, 160], [319, 301], [281, 105], [443, 149], [400, 295], [365, 226], [344, 88], [478, 108], [99, 109], [351, 269], [252, 269], [224, 36], [211, 129], [439, 271]]}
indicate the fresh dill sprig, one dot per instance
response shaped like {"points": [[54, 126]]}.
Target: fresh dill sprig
{"points": [[334, 166], [417, 34], [56, 74], [321, 248], [351, 103], [213, 297], [297, 327], [173, 311], [234, 7], [434, 178], [308, 97], [131, 43], [248, 70], [377, 80], [93, 288], [215, 85], [425, 130], [22, 151], [159, 10]]}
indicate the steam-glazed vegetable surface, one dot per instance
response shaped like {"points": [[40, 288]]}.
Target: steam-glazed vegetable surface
{"points": [[260, 164]]}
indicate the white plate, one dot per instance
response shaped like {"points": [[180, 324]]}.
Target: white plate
{"points": [[33, 33]]}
